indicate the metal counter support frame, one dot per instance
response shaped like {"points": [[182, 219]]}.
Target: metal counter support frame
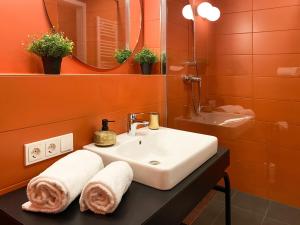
{"points": [[227, 191]]}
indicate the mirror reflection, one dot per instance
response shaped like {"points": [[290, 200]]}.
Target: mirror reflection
{"points": [[98, 28]]}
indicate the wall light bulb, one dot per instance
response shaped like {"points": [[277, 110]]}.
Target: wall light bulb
{"points": [[214, 14], [203, 9], [187, 12]]}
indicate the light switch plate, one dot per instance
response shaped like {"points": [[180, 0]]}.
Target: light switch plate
{"points": [[66, 143]]}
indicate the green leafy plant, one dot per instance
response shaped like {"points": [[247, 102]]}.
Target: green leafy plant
{"points": [[121, 55], [51, 45], [145, 56]]}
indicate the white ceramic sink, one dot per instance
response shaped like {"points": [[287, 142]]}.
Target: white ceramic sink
{"points": [[160, 158]]}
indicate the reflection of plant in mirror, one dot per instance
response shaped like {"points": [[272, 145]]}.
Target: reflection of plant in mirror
{"points": [[121, 55], [145, 56], [51, 45]]}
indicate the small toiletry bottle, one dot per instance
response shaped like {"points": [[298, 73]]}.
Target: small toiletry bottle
{"points": [[154, 121], [105, 137]]}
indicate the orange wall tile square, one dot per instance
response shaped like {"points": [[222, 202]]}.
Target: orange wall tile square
{"points": [[235, 23], [234, 44], [276, 19], [276, 42], [259, 4]]}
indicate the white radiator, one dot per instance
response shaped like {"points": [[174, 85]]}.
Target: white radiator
{"points": [[107, 42]]}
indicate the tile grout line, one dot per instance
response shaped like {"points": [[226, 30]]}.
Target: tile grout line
{"points": [[245, 210], [254, 32], [234, 194], [249, 210], [75, 118], [266, 213], [260, 9], [252, 58], [223, 209], [217, 217], [279, 221]]}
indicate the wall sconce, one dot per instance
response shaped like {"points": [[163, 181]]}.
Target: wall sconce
{"points": [[187, 12], [203, 9], [209, 12]]}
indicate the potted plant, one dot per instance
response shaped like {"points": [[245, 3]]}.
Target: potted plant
{"points": [[121, 55], [146, 58], [51, 47]]}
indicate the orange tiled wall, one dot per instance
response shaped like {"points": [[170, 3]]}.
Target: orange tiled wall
{"points": [[39, 107], [179, 51], [242, 52]]}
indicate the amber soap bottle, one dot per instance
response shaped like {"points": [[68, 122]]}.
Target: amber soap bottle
{"points": [[105, 137]]}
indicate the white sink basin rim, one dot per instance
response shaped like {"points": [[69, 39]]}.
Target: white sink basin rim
{"points": [[160, 158]]}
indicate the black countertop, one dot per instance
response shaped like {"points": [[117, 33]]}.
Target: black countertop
{"points": [[140, 205]]}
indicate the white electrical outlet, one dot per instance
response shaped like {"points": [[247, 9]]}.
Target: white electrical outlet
{"points": [[45, 149], [52, 147], [34, 152]]}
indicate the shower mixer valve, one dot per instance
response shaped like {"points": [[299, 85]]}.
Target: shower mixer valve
{"points": [[195, 83], [191, 78]]}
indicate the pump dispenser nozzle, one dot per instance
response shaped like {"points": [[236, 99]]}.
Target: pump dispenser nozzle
{"points": [[105, 124]]}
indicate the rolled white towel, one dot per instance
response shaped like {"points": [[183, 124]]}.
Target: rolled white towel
{"points": [[103, 193], [55, 188], [231, 108]]}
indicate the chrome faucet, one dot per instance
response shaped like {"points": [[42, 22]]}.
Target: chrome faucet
{"points": [[133, 123]]}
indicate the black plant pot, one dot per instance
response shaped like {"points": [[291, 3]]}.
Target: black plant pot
{"points": [[51, 65], [164, 68], [146, 68]]}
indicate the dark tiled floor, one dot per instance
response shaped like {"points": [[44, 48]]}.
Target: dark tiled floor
{"points": [[248, 210]]}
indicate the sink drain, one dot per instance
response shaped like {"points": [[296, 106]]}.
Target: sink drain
{"points": [[154, 162]]}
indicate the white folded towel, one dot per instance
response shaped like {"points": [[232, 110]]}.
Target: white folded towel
{"points": [[236, 109], [55, 188], [103, 193]]}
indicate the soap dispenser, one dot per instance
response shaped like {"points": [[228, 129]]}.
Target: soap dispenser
{"points": [[105, 137]]}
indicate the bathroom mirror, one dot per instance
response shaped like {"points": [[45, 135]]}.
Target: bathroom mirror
{"points": [[97, 27]]}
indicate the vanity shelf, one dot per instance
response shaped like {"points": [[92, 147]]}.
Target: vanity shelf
{"points": [[141, 205]]}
